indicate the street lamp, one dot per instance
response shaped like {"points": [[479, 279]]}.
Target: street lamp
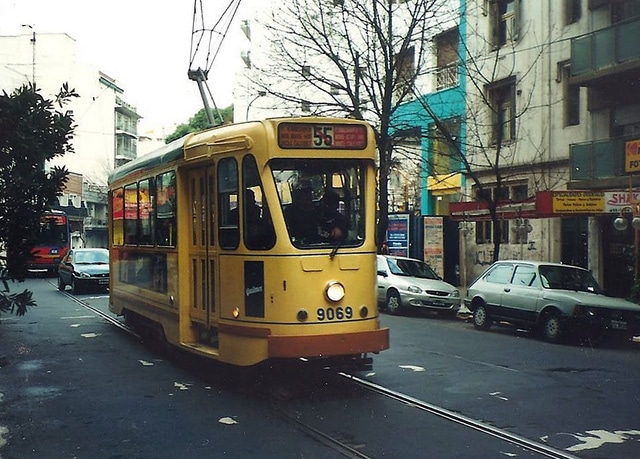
{"points": [[620, 223], [260, 94]]}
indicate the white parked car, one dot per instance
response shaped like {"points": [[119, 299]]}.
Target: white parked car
{"points": [[405, 283], [551, 297]]}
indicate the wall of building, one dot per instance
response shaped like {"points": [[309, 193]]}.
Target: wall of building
{"points": [[51, 60]]}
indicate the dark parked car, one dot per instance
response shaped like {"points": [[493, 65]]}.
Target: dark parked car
{"points": [[405, 283], [83, 269], [551, 297]]}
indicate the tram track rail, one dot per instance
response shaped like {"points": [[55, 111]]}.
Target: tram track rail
{"points": [[351, 451], [106, 316], [509, 437]]}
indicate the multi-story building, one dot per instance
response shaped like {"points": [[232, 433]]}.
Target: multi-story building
{"points": [[105, 135], [106, 126], [553, 120], [440, 97]]}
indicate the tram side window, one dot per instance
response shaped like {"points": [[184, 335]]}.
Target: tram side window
{"points": [[145, 211], [131, 214], [166, 209], [228, 230], [117, 216], [257, 224]]}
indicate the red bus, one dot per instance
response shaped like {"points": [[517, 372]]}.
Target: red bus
{"points": [[53, 242]]}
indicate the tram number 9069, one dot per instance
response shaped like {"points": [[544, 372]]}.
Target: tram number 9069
{"points": [[338, 313]]}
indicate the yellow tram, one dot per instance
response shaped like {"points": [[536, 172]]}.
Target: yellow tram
{"points": [[252, 241]]}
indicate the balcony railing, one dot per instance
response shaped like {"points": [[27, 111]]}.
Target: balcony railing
{"points": [[447, 76], [94, 223], [605, 48], [599, 159]]}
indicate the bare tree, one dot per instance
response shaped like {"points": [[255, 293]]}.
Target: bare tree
{"points": [[351, 58], [497, 147]]}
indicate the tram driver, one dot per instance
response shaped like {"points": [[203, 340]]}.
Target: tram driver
{"points": [[309, 222], [301, 215], [331, 223]]}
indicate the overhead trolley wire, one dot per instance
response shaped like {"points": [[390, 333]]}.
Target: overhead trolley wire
{"points": [[209, 38]]}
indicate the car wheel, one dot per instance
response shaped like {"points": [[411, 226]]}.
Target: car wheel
{"points": [[481, 319], [552, 328], [394, 304], [61, 285]]}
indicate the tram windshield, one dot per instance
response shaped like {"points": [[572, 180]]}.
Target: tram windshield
{"points": [[322, 201]]}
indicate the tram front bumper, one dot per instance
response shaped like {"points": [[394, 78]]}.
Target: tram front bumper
{"points": [[328, 345]]}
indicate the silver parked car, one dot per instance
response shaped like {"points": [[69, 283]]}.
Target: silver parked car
{"points": [[405, 283], [551, 297], [84, 268]]}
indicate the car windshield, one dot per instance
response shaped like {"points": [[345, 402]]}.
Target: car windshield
{"points": [[568, 278], [93, 256], [413, 268]]}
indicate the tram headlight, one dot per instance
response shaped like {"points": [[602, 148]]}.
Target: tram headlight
{"points": [[334, 291], [236, 312]]}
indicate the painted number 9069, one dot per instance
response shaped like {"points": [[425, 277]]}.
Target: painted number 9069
{"points": [[339, 313]]}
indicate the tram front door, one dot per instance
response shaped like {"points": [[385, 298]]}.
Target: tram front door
{"points": [[202, 253]]}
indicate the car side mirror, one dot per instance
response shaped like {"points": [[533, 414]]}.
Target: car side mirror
{"points": [[382, 273]]}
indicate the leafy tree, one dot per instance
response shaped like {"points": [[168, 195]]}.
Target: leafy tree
{"points": [[199, 122], [32, 131]]}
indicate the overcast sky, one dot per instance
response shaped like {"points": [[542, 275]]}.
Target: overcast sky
{"points": [[143, 44]]}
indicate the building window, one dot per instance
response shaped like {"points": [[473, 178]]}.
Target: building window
{"points": [[447, 59], [485, 232], [521, 229], [445, 151], [513, 192], [306, 71], [405, 72], [510, 192], [571, 99], [502, 100], [572, 11], [504, 21], [245, 26], [519, 193], [624, 10]]}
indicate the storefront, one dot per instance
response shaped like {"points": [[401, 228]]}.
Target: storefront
{"points": [[573, 227]]}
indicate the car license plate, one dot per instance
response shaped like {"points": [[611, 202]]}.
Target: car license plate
{"points": [[618, 325], [103, 281]]}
